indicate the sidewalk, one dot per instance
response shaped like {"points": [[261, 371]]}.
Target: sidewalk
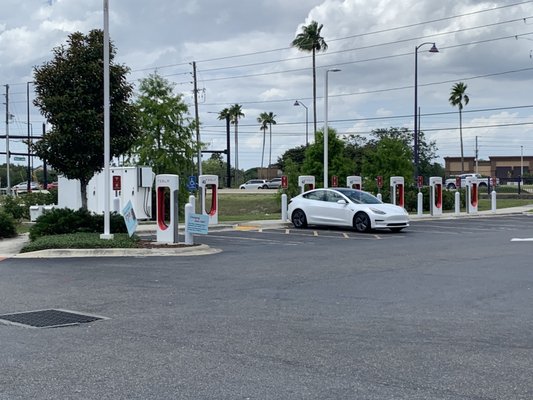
{"points": [[11, 247]]}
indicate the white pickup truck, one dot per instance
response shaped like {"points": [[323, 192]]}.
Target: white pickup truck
{"points": [[483, 181]]}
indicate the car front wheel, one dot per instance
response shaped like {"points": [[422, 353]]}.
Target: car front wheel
{"points": [[361, 222], [299, 220]]}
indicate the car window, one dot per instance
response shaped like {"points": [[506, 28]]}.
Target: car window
{"points": [[359, 196], [315, 195], [333, 197]]}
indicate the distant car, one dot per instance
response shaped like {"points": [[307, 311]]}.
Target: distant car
{"points": [[52, 185], [274, 183], [346, 207], [23, 186], [254, 184]]}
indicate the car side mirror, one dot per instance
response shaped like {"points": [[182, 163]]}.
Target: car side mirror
{"points": [[342, 201]]}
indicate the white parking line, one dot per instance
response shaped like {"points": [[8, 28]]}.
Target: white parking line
{"points": [[346, 236], [315, 233], [522, 240]]}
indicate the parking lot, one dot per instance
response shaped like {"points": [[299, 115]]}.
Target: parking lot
{"points": [[439, 311]]}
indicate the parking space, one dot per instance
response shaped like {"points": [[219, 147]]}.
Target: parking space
{"points": [[509, 225]]}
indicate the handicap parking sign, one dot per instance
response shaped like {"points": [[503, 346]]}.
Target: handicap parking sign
{"points": [[192, 185]]}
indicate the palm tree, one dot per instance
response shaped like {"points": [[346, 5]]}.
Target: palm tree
{"points": [[310, 40], [457, 97], [235, 112], [267, 119]]}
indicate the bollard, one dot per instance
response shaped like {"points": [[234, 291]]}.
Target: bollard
{"points": [[457, 202], [283, 207], [420, 204], [379, 197], [189, 240], [493, 201], [192, 202]]}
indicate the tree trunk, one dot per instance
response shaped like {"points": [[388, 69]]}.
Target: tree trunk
{"points": [[461, 139], [314, 95], [83, 188], [263, 152]]}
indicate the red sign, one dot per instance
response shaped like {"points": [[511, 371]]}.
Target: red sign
{"points": [[420, 181], [116, 182], [458, 182], [334, 181], [493, 181], [379, 181], [284, 182]]}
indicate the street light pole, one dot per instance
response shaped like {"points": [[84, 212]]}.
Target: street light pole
{"points": [[299, 103], [326, 132], [522, 164], [415, 132]]}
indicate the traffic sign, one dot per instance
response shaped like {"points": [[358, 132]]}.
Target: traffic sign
{"points": [[192, 184], [19, 158]]}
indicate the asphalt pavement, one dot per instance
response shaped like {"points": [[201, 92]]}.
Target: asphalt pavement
{"points": [[11, 247]]}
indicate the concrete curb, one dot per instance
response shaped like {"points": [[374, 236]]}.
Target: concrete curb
{"points": [[198, 250]]}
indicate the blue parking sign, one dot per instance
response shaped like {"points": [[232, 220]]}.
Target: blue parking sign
{"points": [[192, 185]]}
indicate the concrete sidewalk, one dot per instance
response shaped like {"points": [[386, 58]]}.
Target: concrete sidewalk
{"points": [[11, 247]]}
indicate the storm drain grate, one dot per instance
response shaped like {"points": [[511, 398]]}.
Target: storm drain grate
{"points": [[48, 318]]}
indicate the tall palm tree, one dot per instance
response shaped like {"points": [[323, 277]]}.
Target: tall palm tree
{"points": [[267, 119], [309, 40], [235, 112], [458, 96]]}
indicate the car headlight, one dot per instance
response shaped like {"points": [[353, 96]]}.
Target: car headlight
{"points": [[376, 211]]}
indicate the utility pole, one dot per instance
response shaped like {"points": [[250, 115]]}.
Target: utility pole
{"points": [[7, 141], [197, 119], [29, 136], [476, 156]]}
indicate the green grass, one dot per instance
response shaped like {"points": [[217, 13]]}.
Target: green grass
{"points": [[485, 204], [245, 207], [81, 241]]}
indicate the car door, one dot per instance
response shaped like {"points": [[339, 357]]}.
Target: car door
{"points": [[314, 207], [338, 214]]}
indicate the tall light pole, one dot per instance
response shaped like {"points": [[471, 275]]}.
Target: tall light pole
{"points": [[415, 132], [299, 103], [107, 139], [326, 132]]}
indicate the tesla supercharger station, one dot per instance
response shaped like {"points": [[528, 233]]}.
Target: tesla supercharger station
{"points": [[209, 182], [167, 230], [471, 195], [354, 182], [397, 190], [435, 195], [306, 180]]}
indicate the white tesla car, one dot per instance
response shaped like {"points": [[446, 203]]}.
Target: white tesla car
{"points": [[346, 207]]}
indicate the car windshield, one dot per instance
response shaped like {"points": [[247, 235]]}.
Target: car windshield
{"points": [[358, 196]]}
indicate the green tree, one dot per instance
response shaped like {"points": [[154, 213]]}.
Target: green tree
{"points": [[166, 143], [69, 94], [386, 156], [296, 155], [339, 164], [459, 98], [309, 40], [267, 120], [235, 112]]}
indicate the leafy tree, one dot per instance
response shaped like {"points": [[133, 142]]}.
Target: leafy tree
{"points": [[69, 94], [459, 98], [267, 120], [309, 40], [339, 164], [296, 155], [166, 143], [386, 156]]}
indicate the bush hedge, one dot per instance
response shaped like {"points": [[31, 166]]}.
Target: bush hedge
{"points": [[7, 225], [63, 221]]}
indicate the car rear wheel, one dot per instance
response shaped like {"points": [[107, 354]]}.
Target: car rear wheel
{"points": [[299, 220], [264, 187], [361, 222]]}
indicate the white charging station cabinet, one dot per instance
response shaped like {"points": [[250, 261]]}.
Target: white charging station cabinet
{"points": [[306, 180], [167, 229], [354, 182], [209, 182]]}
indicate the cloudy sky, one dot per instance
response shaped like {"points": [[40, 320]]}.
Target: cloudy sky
{"points": [[243, 55]]}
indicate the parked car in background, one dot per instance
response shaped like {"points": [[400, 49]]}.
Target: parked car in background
{"points": [[346, 207], [483, 181], [274, 183], [52, 185], [254, 184], [23, 187]]}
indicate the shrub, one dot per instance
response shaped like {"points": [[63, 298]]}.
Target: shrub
{"points": [[15, 207], [7, 225], [63, 221]]}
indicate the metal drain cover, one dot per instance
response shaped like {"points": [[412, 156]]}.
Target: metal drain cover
{"points": [[48, 318]]}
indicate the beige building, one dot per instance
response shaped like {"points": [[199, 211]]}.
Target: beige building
{"points": [[503, 167]]}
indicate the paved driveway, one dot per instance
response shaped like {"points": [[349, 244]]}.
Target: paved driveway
{"points": [[440, 311]]}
